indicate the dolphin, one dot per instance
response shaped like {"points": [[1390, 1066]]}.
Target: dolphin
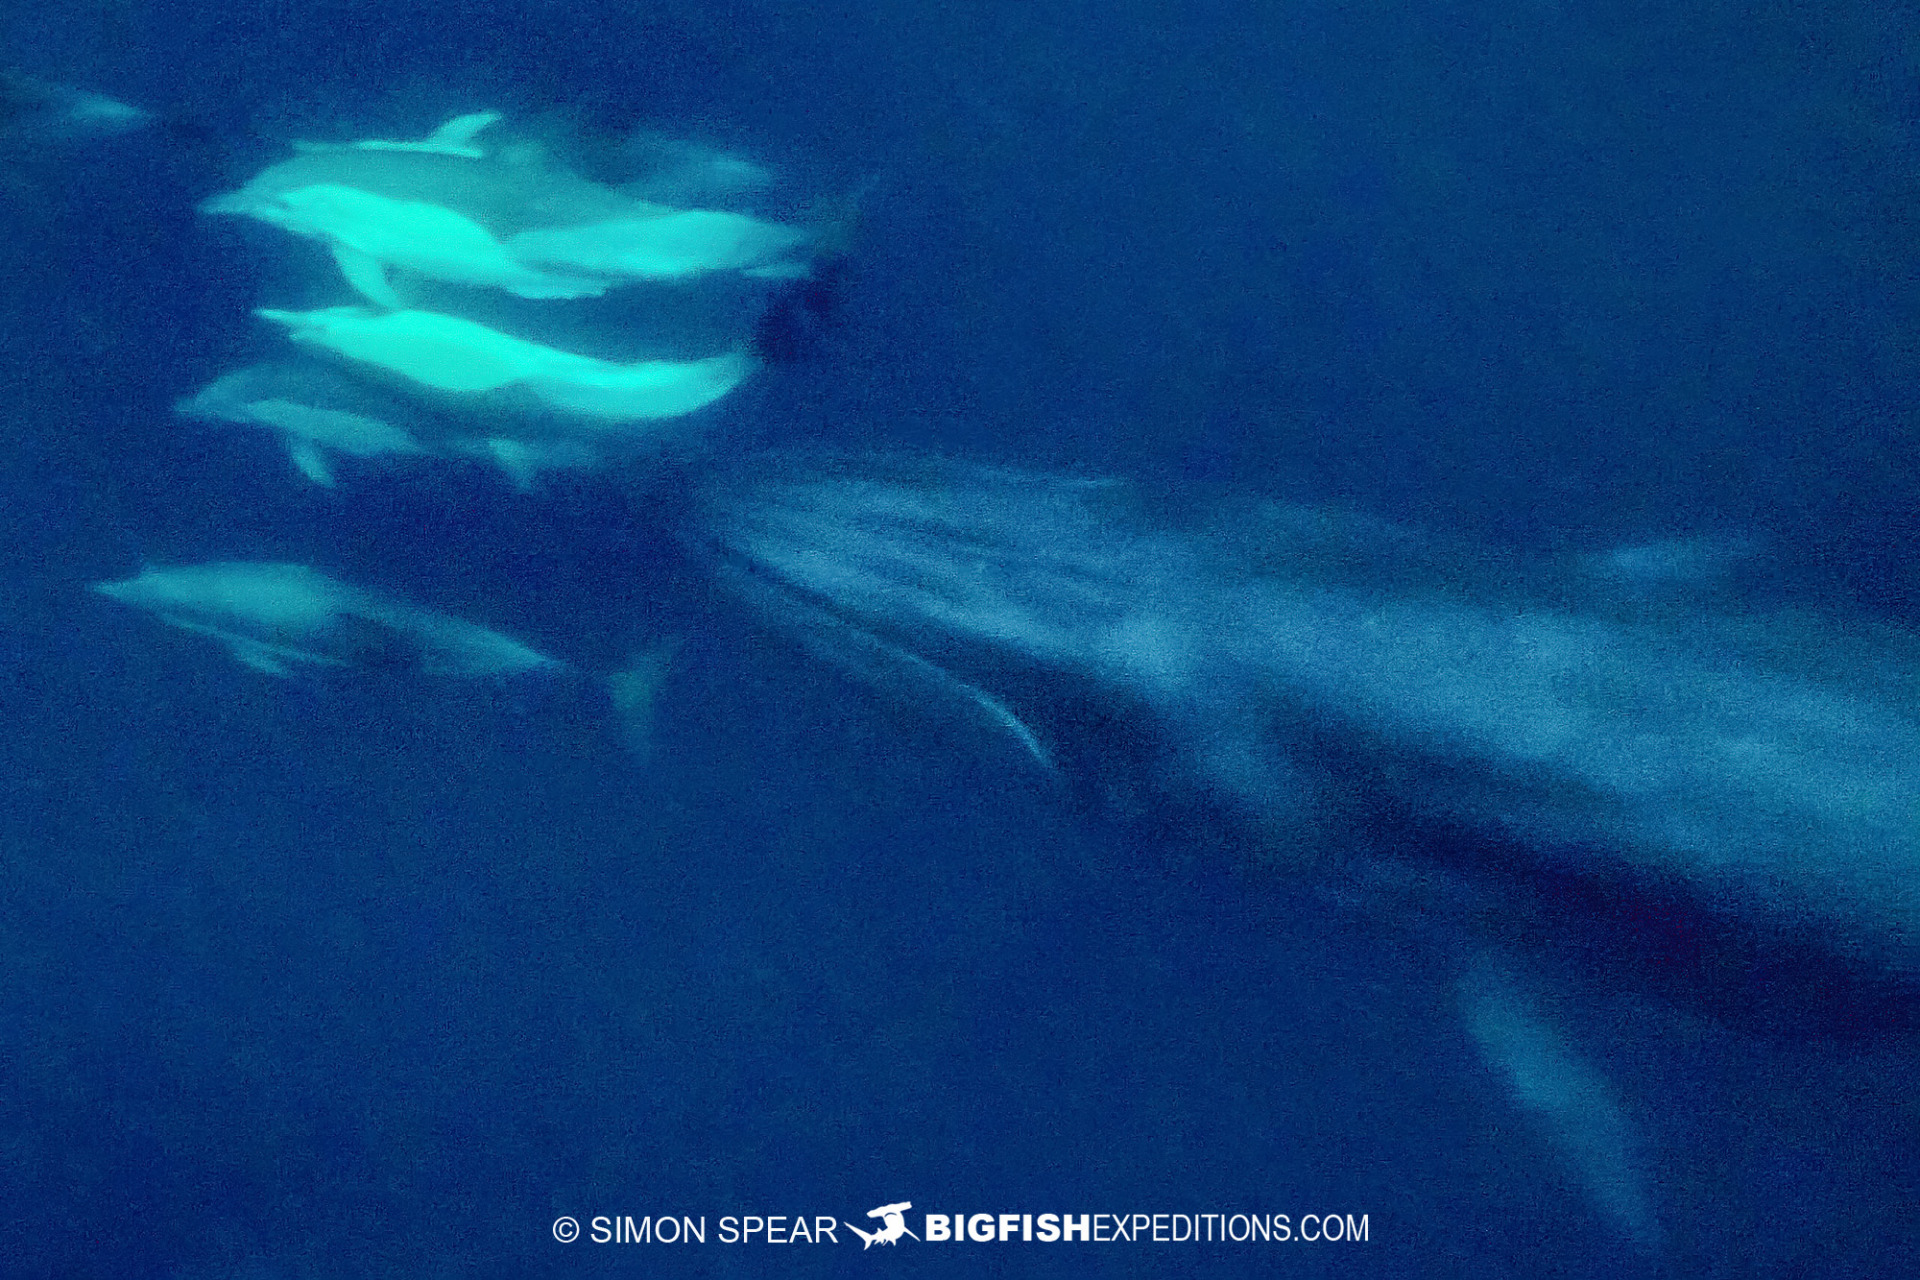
{"points": [[33, 112], [314, 409], [319, 411], [450, 354], [276, 617], [447, 208], [370, 233]]}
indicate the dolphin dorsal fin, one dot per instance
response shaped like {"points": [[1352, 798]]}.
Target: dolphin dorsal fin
{"points": [[456, 136]]}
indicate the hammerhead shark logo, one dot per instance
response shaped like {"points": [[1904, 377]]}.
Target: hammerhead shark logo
{"points": [[893, 1225]]}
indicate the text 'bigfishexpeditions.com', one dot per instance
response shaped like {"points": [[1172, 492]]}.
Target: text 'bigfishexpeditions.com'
{"points": [[890, 1224]]}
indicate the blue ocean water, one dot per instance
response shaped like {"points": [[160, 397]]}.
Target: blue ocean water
{"points": [[380, 977]]}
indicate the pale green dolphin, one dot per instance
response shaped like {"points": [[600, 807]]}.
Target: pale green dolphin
{"points": [[319, 411], [658, 243], [451, 354], [370, 233], [450, 210], [314, 410], [274, 617]]}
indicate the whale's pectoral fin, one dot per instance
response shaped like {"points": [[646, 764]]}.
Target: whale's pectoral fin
{"points": [[311, 460], [251, 653], [364, 272], [1569, 1098], [1001, 714]]}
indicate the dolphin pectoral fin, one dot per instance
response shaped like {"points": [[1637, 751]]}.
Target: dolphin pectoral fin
{"points": [[311, 460], [635, 691], [514, 459], [779, 271], [251, 653], [369, 279]]}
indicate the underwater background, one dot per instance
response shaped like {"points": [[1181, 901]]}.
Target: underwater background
{"points": [[378, 977]]}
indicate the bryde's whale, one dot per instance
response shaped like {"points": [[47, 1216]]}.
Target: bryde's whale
{"points": [[1772, 763], [1761, 771]]}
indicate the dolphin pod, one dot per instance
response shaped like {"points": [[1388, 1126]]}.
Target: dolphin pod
{"points": [[449, 209], [392, 380], [426, 232]]}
